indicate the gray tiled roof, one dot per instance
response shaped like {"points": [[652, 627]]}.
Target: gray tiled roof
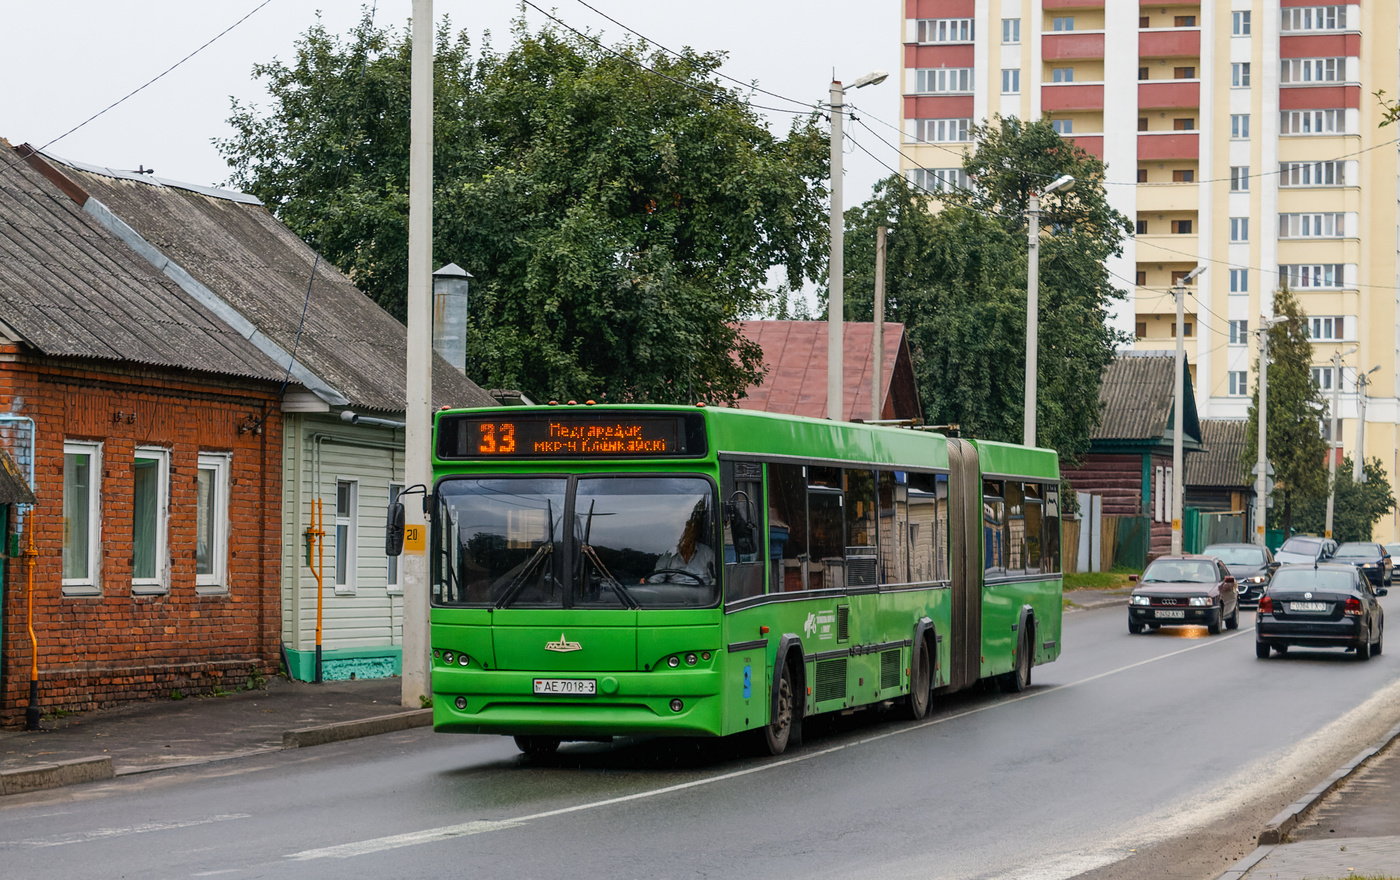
{"points": [[1219, 465], [1137, 392], [233, 246], [70, 288]]}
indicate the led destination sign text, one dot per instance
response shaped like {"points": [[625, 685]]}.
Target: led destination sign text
{"points": [[539, 436]]}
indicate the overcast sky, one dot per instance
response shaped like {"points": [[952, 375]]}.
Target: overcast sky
{"points": [[68, 59]]}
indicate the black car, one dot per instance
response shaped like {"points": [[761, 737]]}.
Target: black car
{"points": [[1251, 565], [1326, 605], [1371, 558], [1306, 549]]}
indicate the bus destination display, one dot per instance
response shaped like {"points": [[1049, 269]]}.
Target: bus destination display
{"points": [[567, 435]]}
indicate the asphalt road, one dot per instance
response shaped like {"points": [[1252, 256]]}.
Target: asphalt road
{"points": [[1127, 746]]}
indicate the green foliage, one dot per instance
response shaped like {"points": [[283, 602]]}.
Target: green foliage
{"points": [[618, 222], [1390, 110], [1294, 444], [177, 694], [1357, 506], [957, 281]]}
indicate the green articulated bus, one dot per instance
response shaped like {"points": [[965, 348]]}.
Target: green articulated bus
{"points": [[602, 571]]}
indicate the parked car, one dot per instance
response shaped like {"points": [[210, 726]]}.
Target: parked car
{"points": [[1371, 558], [1393, 549], [1305, 548], [1183, 590], [1251, 565], [1327, 605]]}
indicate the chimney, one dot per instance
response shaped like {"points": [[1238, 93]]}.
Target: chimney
{"points": [[450, 314]]}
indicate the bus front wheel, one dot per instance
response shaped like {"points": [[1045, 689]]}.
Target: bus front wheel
{"points": [[779, 730], [919, 684], [536, 746]]}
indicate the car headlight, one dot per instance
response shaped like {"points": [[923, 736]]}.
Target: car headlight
{"points": [[1261, 579], [1140, 600], [1370, 565], [1201, 600]]}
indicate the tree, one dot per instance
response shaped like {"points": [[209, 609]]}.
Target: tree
{"points": [[957, 280], [1294, 443], [618, 220], [1356, 508]]}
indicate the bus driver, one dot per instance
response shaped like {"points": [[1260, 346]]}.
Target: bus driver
{"points": [[693, 560]]}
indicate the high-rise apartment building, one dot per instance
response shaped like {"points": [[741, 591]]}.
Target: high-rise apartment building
{"points": [[1239, 134]]}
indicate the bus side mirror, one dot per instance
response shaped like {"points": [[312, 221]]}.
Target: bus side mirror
{"points": [[393, 530], [741, 525]]}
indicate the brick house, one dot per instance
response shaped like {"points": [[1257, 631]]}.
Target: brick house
{"points": [[150, 433]]}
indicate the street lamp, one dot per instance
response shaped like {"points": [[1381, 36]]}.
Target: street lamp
{"points": [[1065, 182], [1179, 420], [1334, 434], [835, 346]]}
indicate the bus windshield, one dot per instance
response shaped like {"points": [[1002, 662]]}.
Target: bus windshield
{"points": [[636, 542]]}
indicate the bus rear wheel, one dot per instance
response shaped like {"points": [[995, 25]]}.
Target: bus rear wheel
{"points": [[536, 746], [1019, 678], [920, 682], [778, 733]]}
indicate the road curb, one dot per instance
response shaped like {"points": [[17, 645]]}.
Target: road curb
{"points": [[1276, 832], [55, 775], [343, 730]]}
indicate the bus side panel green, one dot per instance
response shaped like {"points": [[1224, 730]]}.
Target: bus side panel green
{"points": [[743, 712], [1001, 608]]}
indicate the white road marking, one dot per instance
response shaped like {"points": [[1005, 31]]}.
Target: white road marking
{"points": [[447, 832], [105, 833]]}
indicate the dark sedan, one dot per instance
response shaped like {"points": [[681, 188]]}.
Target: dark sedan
{"points": [[1371, 558], [1178, 590], [1306, 549], [1251, 565], [1328, 605]]}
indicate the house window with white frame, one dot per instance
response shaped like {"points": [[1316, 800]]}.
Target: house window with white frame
{"points": [[346, 534], [1330, 225], [82, 518], [393, 583], [945, 30], [1062, 126], [1325, 328], [1310, 70], [944, 80], [942, 131], [1062, 75], [1011, 30], [150, 521], [1329, 173], [1322, 378], [1314, 18], [1239, 24], [1325, 275], [1239, 75], [1239, 281], [1239, 178], [1239, 332], [938, 180], [1063, 23], [1239, 383], [1239, 229], [1239, 126], [1294, 122], [211, 523], [1011, 81]]}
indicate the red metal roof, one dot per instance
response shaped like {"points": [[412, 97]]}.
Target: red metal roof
{"points": [[794, 354]]}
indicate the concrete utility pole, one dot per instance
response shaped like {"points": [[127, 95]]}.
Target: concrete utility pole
{"points": [[419, 367], [1033, 304], [1358, 464], [878, 345], [1178, 408], [1261, 478], [1334, 435]]}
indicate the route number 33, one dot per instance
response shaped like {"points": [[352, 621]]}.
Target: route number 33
{"points": [[496, 439]]}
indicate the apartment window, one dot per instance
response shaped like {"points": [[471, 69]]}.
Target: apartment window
{"points": [[1184, 123], [1141, 228], [1239, 126], [150, 521], [347, 528], [1328, 329], [1307, 70], [1011, 30], [1312, 225], [1063, 23], [82, 517], [393, 583], [945, 30], [1063, 126], [1325, 275], [1239, 229], [1239, 383], [944, 80], [1322, 378], [1062, 75], [1142, 123], [1183, 73], [1181, 227], [1142, 175], [1141, 278], [1186, 325], [1312, 174], [1011, 81], [1239, 281], [1239, 178], [1143, 72], [211, 523], [1239, 24], [937, 180], [1144, 21], [1179, 276], [1184, 175], [1184, 21], [1239, 75], [1311, 121], [942, 131], [1314, 18], [1239, 332], [1140, 330]]}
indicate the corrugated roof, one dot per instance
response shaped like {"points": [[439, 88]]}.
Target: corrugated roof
{"points": [[1137, 392], [1219, 464], [70, 288], [238, 250], [795, 356]]}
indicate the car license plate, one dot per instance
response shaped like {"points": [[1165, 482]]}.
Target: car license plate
{"points": [[566, 686], [1307, 607], [1176, 613]]}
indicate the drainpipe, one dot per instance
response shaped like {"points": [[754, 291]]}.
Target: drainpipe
{"points": [[31, 714]]}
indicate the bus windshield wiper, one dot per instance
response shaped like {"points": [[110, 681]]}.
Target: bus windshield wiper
{"points": [[519, 582], [591, 555]]}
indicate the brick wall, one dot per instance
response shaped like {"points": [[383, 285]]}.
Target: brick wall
{"points": [[118, 646]]}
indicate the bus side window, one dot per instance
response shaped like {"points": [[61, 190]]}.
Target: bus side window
{"points": [[993, 527], [942, 550], [741, 489], [862, 522], [925, 527], [1015, 527], [894, 527], [1050, 562], [1035, 525], [787, 527]]}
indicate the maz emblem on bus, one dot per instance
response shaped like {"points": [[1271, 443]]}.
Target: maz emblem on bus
{"points": [[563, 646]]}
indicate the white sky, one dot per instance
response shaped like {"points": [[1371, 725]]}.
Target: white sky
{"points": [[67, 59]]}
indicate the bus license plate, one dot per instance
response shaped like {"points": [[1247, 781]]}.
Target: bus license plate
{"points": [[566, 686], [1178, 614], [1307, 607]]}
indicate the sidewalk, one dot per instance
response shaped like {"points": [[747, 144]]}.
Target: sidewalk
{"points": [[1080, 599], [154, 735]]}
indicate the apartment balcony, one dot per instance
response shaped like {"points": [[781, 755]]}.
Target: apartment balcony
{"points": [[1161, 247], [940, 8], [938, 106], [1319, 97], [1168, 199], [1169, 94], [1319, 46], [1158, 146], [1089, 143], [1059, 97], [1071, 46], [955, 55], [1170, 43], [1065, 5]]}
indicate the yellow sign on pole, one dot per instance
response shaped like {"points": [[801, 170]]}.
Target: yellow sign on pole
{"points": [[1176, 525], [1327, 533], [415, 539]]}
